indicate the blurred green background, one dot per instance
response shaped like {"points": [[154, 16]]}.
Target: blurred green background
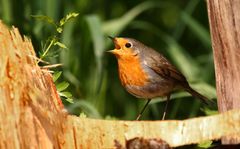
{"points": [[178, 29]]}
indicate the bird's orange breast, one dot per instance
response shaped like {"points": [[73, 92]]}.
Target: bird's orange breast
{"points": [[131, 71]]}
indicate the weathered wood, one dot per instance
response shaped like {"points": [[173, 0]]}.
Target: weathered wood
{"points": [[175, 133], [31, 113], [224, 18]]}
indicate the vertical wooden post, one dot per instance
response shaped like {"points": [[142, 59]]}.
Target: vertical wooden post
{"points": [[224, 19]]}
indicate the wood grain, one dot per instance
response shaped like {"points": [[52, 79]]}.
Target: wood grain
{"points": [[224, 18]]}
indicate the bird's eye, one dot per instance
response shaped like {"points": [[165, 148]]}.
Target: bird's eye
{"points": [[128, 45]]}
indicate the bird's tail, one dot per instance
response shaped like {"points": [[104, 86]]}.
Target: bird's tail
{"points": [[196, 94]]}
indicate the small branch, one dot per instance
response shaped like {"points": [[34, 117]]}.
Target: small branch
{"points": [[51, 66], [46, 51]]}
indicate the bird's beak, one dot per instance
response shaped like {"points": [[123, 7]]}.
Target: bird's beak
{"points": [[117, 46], [112, 51]]}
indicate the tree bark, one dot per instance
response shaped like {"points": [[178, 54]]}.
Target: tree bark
{"points": [[224, 18], [32, 114]]}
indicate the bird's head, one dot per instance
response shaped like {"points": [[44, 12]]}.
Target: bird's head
{"points": [[125, 47]]}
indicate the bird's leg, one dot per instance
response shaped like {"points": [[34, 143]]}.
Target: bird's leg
{"points": [[140, 114], [166, 106]]}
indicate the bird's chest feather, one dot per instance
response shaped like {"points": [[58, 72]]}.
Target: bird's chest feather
{"points": [[131, 72]]}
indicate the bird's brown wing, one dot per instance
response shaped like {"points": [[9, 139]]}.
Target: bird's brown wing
{"points": [[165, 69]]}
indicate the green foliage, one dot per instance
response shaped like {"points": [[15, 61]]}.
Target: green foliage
{"points": [[82, 115], [178, 29], [209, 111], [54, 40], [56, 75], [206, 144], [61, 87]]}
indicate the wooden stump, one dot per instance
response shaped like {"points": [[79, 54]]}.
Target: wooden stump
{"points": [[31, 112]]}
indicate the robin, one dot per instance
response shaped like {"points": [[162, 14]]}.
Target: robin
{"points": [[147, 74]]}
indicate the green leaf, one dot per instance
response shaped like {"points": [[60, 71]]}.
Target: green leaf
{"points": [[82, 115], [109, 117], [59, 29], [205, 144], [198, 29], [61, 45], [182, 59], [67, 57], [205, 89], [70, 100], [94, 24], [46, 19], [62, 86], [115, 26], [189, 9], [6, 11], [67, 18], [56, 75], [65, 94], [85, 107], [208, 111]]}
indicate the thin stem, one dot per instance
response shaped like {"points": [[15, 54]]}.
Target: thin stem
{"points": [[46, 51]]}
